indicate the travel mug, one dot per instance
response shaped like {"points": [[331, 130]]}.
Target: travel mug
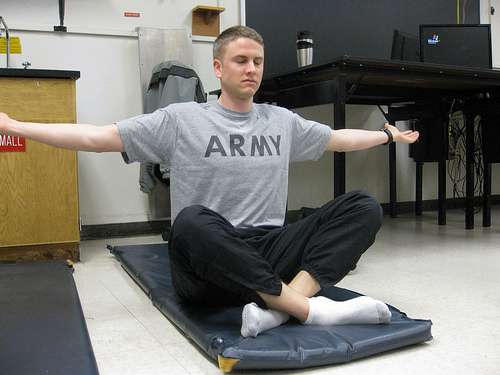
{"points": [[304, 48]]}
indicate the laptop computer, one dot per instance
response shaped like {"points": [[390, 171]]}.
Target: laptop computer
{"points": [[460, 45]]}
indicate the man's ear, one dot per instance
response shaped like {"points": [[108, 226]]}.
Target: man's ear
{"points": [[217, 68]]}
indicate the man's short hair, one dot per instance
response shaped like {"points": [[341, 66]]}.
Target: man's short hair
{"points": [[234, 33]]}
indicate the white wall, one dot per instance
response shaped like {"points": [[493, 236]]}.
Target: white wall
{"points": [[109, 87], [109, 90]]}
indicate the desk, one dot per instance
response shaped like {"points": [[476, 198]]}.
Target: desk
{"points": [[353, 80]]}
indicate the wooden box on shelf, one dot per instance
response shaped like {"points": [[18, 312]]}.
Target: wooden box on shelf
{"points": [[206, 20]]}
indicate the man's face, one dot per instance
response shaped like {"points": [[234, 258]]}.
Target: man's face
{"points": [[240, 69]]}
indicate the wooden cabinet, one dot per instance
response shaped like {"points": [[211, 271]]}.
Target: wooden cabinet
{"points": [[39, 216]]}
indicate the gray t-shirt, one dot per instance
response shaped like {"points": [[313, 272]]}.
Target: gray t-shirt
{"points": [[233, 163]]}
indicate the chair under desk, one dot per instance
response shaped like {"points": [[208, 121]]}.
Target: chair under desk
{"points": [[355, 80]]}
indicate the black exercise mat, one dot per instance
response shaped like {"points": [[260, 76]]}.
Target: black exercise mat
{"points": [[42, 328], [217, 330]]}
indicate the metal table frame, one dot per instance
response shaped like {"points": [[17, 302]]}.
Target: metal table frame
{"points": [[354, 80]]}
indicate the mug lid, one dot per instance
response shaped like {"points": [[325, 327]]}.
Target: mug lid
{"points": [[304, 34]]}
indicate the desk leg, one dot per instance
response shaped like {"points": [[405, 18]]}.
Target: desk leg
{"points": [[339, 123], [392, 179], [469, 171], [419, 171], [487, 195], [442, 192]]}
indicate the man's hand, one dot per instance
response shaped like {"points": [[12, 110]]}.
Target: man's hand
{"points": [[343, 140], [407, 136], [4, 121]]}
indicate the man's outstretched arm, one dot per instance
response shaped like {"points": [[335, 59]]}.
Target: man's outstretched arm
{"points": [[357, 139], [70, 136]]}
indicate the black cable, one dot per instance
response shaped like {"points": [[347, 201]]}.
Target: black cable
{"points": [[457, 165]]}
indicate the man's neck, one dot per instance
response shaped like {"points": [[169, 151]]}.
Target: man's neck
{"points": [[236, 105]]}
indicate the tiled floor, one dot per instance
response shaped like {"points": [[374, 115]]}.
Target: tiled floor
{"points": [[443, 273]]}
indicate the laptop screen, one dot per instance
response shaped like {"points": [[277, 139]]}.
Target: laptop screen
{"points": [[461, 45]]}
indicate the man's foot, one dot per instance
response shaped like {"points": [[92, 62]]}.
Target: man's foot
{"points": [[255, 320], [360, 310]]}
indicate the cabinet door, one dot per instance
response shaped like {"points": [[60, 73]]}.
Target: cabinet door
{"points": [[39, 187]]}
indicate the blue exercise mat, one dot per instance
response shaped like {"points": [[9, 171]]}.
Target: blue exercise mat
{"points": [[217, 330], [42, 327]]}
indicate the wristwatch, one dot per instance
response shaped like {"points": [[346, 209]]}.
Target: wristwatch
{"points": [[389, 135]]}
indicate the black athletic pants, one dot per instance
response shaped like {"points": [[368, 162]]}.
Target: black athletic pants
{"points": [[214, 263]]}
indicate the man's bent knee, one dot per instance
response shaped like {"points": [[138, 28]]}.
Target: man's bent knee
{"points": [[371, 207], [361, 207], [188, 216], [194, 226], [186, 224]]}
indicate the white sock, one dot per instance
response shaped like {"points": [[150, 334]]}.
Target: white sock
{"points": [[360, 310], [255, 320]]}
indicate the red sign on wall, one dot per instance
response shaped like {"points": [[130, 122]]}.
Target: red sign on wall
{"points": [[131, 14], [11, 143]]}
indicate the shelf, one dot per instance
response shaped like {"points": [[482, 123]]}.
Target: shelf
{"points": [[206, 20]]}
